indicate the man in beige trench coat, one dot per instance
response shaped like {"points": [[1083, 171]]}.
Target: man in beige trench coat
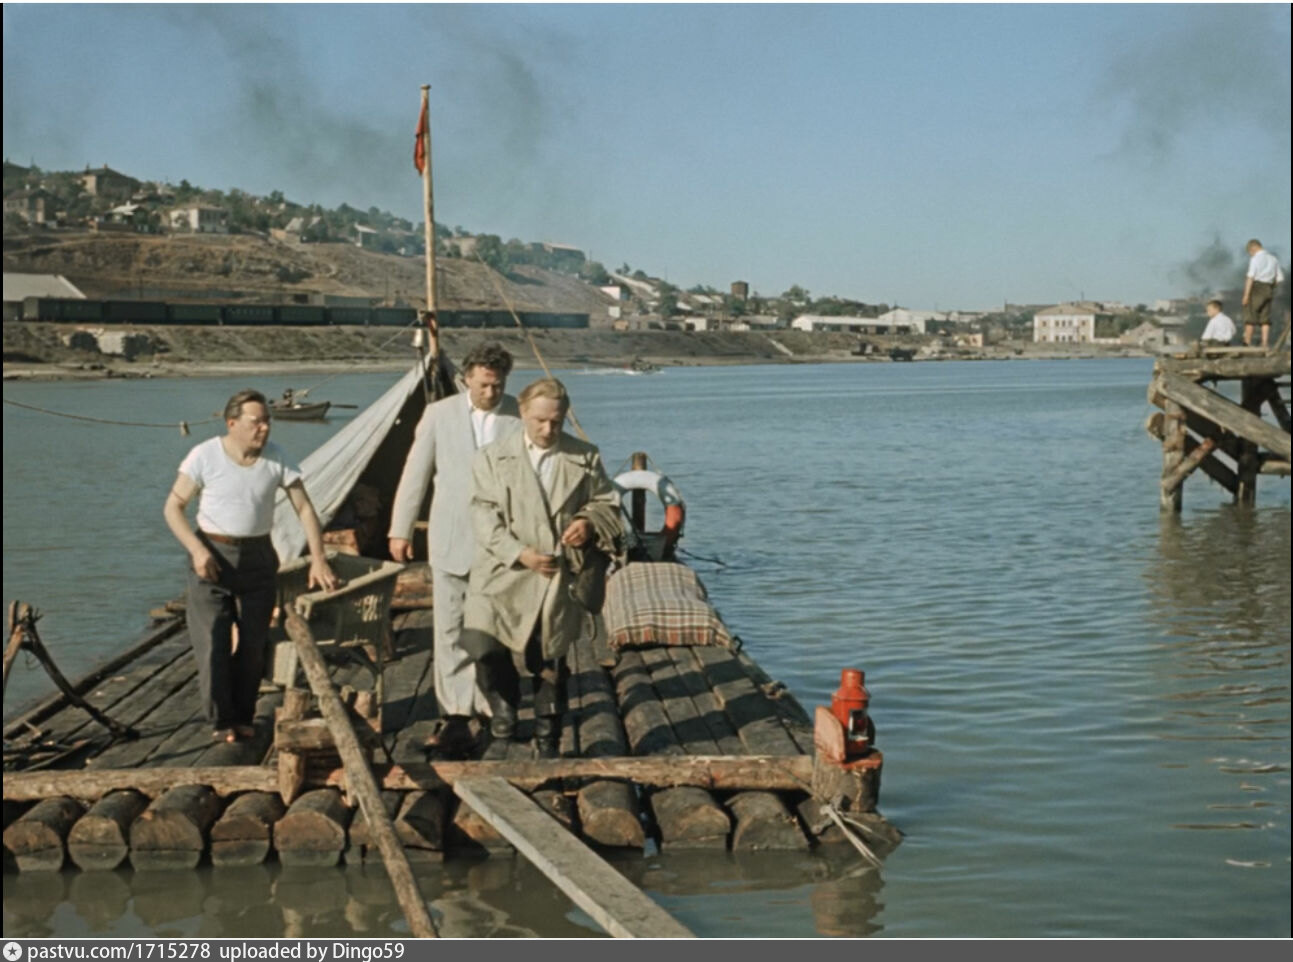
{"points": [[541, 506]]}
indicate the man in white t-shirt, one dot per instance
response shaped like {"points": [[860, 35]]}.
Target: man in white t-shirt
{"points": [[1220, 329], [1264, 275], [234, 568]]}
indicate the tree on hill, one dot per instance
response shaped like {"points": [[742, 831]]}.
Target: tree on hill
{"points": [[492, 253]]}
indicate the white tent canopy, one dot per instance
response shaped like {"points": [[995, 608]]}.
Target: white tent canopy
{"points": [[333, 468]]}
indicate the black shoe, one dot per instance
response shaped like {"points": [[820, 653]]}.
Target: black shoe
{"points": [[454, 740], [502, 723], [545, 736]]}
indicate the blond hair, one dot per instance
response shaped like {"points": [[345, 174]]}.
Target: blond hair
{"points": [[548, 387]]}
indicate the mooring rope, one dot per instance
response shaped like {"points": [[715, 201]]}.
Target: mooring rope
{"points": [[493, 276], [182, 425], [380, 347]]}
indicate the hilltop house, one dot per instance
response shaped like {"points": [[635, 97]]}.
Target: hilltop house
{"points": [[198, 219], [1069, 323], [35, 206], [108, 183]]}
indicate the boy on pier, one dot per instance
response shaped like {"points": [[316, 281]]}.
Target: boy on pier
{"points": [[1220, 329], [1264, 275]]}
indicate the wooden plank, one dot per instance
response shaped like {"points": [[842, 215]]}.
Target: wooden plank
{"points": [[47, 706], [179, 708], [778, 773], [360, 779], [1225, 368], [100, 840], [1212, 467], [1225, 413], [615, 904]]}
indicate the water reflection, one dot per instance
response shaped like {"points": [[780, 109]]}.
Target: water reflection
{"points": [[829, 892]]}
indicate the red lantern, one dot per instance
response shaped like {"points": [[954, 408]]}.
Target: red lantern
{"points": [[849, 704]]}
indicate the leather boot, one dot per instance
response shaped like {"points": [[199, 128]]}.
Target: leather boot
{"points": [[491, 675], [547, 714], [546, 729]]}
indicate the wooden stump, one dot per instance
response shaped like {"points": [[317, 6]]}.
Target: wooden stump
{"points": [[244, 833], [101, 839], [38, 840], [420, 825], [313, 832], [172, 831], [690, 818], [764, 822], [608, 815], [472, 835], [1174, 437]]}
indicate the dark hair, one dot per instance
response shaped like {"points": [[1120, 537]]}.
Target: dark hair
{"points": [[233, 407], [492, 355], [1216, 301]]}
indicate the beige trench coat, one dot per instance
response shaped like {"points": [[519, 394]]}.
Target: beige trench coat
{"points": [[509, 513]]}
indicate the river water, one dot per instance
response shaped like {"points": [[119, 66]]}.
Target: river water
{"points": [[1084, 706]]}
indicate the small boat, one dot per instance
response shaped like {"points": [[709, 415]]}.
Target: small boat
{"points": [[640, 366], [298, 411], [901, 354]]}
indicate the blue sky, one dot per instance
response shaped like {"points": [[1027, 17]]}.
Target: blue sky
{"points": [[936, 156]]}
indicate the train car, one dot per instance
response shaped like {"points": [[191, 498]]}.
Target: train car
{"points": [[298, 315], [393, 316], [561, 321], [249, 314], [193, 313], [358, 316], [68, 309], [134, 312]]}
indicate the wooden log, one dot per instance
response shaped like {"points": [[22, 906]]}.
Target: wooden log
{"points": [[38, 840], [100, 840], [1247, 464], [1174, 438], [361, 840], [615, 904], [557, 804], [314, 735], [1213, 468], [748, 708], [471, 834], [312, 832], [16, 635], [609, 813], [763, 822], [359, 779], [1225, 413], [1274, 466], [692, 677], [1225, 368], [244, 833], [420, 824], [172, 832], [690, 818], [645, 722], [778, 773], [1195, 457], [291, 763]]}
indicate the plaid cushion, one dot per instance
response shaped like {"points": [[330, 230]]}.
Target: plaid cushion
{"points": [[660, 603]]}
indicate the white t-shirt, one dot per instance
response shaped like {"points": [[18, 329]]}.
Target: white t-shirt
{"points": [[1220, 328], [1265, 267], [484, 424], [237, 500]]}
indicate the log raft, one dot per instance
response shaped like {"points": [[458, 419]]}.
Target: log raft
{"points": [[1200, 428], [680, 747]]}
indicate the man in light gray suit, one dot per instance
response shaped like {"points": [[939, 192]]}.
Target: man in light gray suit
{"points": [[444, 446]]}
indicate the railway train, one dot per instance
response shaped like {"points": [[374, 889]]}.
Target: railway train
{"points": [[81, 311]]}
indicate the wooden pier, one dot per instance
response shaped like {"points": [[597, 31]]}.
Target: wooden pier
{"points": [[1202, 429], [679, 747]]}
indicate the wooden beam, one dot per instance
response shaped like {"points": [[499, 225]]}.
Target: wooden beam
{"points": [[359, 777], [1272, 466], [1187, 465], [1174, 439], [1225, 413], [615, 904], [1214, 468], [1225, 368], [774, 773]]}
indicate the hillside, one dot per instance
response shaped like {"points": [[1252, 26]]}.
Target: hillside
{"points": [[171, 266]]}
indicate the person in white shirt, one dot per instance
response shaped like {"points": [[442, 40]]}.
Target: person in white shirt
{"points": [[234, 568], [1220, 329], [1264, 275], [447, 438]]}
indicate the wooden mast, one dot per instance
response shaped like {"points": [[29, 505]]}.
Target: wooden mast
{"points": [[428, 202]]}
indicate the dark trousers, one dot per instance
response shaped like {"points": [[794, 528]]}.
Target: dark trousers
{"points": [[228, 680], [1258, 310], [500, 671]]}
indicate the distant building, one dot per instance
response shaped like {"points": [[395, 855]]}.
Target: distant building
{"points": [[564, 256], [1070, 323], [108, 183], [466, 246], [1150, 335], [35, 206], [741, 290], [18, 287], [198, 219], [615, 292], [365, 236], [858, 325]]}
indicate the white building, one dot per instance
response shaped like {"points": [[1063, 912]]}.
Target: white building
{"points": [[199, 219], [1072, 323], [858, 325]]}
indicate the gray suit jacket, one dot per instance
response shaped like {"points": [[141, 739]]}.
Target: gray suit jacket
{"points": [[442, 452]]}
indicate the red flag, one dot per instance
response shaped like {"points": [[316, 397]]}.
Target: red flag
{"points": [[420, 149]]}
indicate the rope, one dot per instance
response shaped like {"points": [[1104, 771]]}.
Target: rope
{"points": [[182, 425], [852, 836], [380, 347], [493, 276]]}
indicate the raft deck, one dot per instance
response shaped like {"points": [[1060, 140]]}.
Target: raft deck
{"points": [[95, 801]]}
